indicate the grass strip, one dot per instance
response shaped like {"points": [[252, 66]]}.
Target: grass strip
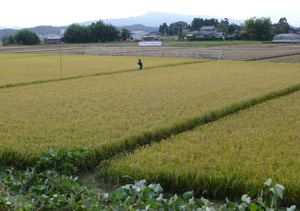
{"points": [[272, 57], [96, 74]]}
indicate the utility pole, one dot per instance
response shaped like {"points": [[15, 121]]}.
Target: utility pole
{"points": [[60, 68]]}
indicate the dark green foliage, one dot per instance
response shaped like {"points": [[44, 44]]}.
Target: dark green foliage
{"points": [[258, 29], [23, 37], [164, 29], [96, 32], [49, 189], [62, 161], [197, 23], [223, 26], [11, 40], [76, 34], [27, 37], [125, 34], [177, 28], [282, 27]]}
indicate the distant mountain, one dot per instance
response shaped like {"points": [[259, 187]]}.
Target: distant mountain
{"points": [[138, 27], [42, 30], [7, 32], [151, 19], [154, 19], [47, 30], [148, 22]]}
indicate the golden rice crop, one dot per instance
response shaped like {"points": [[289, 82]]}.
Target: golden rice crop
{"points": [[228, 157], [20, 68], [289, 59], [102, 113]]}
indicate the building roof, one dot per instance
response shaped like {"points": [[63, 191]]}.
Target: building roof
{"points": [[137, 32], [154, 33], [53, 38], [208, 27]]}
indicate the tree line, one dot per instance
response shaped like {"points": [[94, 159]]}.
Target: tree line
{"points": [[75, 33], [96, 32], [252, 29]]}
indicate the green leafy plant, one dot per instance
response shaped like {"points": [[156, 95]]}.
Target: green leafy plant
{"points": [[51, 185]]}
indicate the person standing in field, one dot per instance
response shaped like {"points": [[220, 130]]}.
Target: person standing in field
{"points": [[140, 64]]}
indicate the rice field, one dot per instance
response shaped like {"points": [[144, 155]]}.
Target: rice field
{"points": [[110, 113], [228, 157], [253, 134], [22, 68], [258, 51], [285, 59]]}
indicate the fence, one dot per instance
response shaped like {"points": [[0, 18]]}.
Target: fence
{"points": [[197, 53], [174, 52]]}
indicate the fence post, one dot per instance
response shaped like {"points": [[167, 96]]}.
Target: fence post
{"points": [[159, 52], [141, 52], [177, 53], [99, 51], [60, 60], [197, 56], [220, 54], [126, 51], [85, 50]]}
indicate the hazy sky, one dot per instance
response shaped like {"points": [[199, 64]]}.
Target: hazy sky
{"points": [[30, 13]]}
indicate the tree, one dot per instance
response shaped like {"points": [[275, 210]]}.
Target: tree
{"points": [[111, 33], [282, 27], [233, 28], [258, 29], [26, 37], [76, 34], [11, 40], [223, 26], [125, 34], [177, 28], [197, 23], [96, 32], [164, 29]]}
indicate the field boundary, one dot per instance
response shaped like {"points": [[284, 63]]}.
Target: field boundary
{"points": [[271, 57], [97, 74]]}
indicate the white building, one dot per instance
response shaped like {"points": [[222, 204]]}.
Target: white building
{"points": [[208, 29], [137, 35], [155, 35]]}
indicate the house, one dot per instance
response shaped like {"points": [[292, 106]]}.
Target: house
{"points": [[155, 35], [208, 29], [197, 34], [294, 30], [53, 40], [136, 35], [220, 35]]}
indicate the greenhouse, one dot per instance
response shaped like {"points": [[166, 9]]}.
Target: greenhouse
{"points": [[287, 38]]}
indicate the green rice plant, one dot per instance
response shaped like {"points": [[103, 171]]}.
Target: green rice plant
{"points": [[228, 157], [115, 113], [29, 68]]}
